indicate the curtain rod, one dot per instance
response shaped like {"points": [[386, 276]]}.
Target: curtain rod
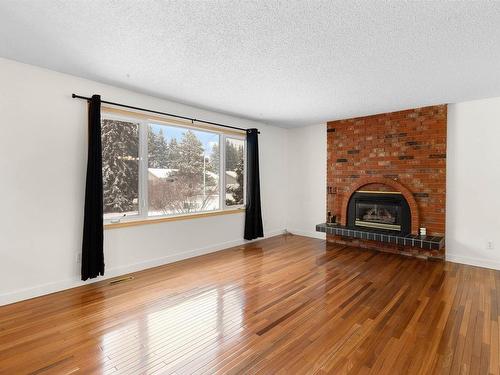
{"points": [[162, 113]]}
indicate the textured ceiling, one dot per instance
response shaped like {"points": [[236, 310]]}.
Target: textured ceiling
{"points": [[284, 62]]}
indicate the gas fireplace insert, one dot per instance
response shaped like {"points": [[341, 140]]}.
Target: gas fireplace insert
{"points": [[386, 212]]}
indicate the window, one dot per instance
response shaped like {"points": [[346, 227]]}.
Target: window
{"points": [[183, 170], [154, 169]]}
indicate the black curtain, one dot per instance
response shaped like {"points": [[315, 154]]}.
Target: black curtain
{"points": [[92, 247], [253, 213]]}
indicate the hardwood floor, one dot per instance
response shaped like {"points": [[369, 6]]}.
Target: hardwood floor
{"points": [[287, 304]]}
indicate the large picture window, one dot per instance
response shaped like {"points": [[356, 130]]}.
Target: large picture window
{"points": [[155, 169]]}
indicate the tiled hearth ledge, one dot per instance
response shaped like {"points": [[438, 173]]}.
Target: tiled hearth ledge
{"points": [[422, 242]]}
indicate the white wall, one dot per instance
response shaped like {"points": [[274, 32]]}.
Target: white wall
{"points": [[306, 180], [473, 183], [42, 167]]}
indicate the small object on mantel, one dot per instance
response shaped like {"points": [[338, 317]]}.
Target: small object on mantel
{"points": [[331, 220]]}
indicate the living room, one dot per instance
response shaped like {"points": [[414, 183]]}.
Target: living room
{"points": [[249, 187]]}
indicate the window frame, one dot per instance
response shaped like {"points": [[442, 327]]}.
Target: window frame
{"points": [[143, 205]]}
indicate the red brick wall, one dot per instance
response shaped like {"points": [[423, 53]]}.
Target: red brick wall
{"points": [[406, 146]]}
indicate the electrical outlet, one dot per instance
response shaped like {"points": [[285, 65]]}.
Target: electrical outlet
{"points": [[490, 245], [79, 258]]}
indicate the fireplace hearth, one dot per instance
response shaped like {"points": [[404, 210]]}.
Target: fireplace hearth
{"points": [[384, 212]]}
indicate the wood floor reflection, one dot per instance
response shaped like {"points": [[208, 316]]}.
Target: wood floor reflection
{"points": [[287, 304]]}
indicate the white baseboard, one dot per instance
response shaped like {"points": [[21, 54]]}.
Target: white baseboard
{"points": [[57, 286], [298, 232], [478, 262]]}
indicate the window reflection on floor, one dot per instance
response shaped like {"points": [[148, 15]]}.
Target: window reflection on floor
{"points": [[212, 318]]}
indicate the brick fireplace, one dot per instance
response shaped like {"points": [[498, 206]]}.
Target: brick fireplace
{"points": [[400, 153]]}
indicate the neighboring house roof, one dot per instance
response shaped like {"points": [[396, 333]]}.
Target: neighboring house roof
{"points": [[161, 172], [231, 177]]}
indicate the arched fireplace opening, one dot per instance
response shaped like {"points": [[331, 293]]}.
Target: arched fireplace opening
{"points": [[379, 211], [379, 185]]}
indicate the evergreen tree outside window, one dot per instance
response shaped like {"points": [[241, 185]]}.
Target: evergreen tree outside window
{"points": [[120, 168], [235, 159], [157, 169]]}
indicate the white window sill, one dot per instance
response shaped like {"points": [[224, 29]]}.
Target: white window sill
{"points": [[155, 220]]}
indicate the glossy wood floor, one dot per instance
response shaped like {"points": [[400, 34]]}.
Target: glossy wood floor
{"points": [[288, 304]]}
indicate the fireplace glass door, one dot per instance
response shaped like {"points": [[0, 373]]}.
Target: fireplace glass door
{"points": [[386, 215], [379, 211]]}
